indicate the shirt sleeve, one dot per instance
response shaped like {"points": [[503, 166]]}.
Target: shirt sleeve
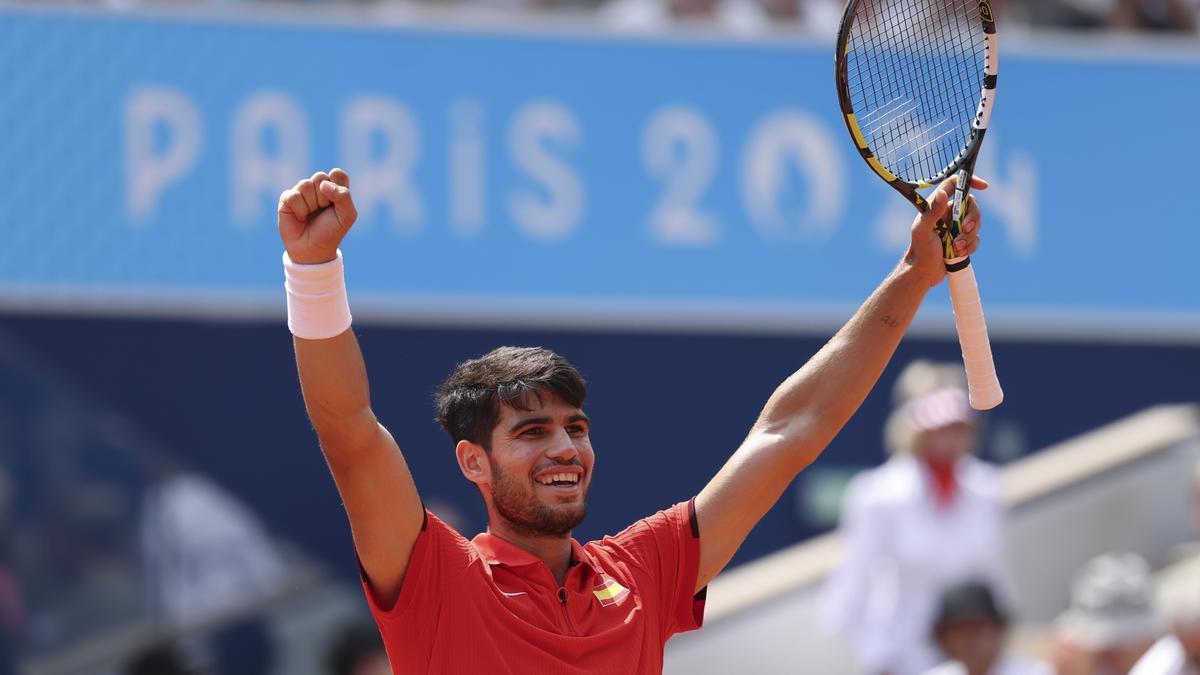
{"points": [[439, 555], [666, 546]]}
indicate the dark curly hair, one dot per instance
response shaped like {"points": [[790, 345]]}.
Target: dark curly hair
{"points": [[468, 402]]}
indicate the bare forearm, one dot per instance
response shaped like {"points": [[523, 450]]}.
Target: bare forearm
{"points": [[811, 406], [802, 416], [805, 412], [370, 471], [333, 378]]}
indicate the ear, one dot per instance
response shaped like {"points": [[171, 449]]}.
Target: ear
{"points": [[473, 462]]}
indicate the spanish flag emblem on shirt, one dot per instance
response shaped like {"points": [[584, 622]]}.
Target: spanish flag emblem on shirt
{"points": [[609, 592]]}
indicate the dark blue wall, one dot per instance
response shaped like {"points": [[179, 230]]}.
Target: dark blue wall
{"points": [[667, 409]]}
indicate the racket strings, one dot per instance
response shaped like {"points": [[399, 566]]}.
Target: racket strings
{"points": [[898, 124], [915, 73]]}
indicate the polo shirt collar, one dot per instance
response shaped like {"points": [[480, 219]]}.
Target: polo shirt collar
{"points": [[496, 551]]}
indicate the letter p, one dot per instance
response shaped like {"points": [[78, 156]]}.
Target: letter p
{"points": [[150, 164]]}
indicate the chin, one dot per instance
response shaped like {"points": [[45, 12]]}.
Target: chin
{"points": [[566, 517], [577, 509]]}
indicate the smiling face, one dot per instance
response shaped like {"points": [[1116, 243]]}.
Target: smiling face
{"points": [[539, 467]]}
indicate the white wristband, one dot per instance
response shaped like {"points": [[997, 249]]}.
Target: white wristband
{"points": [[318, 307]]}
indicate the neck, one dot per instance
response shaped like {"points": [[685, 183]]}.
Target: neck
{"points": [[554, 551]]}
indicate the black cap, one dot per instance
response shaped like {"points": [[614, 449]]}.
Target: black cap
{"points": [[969, 600]]}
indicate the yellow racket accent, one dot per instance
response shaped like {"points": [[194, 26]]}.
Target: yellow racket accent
{"points": [[852, 123], [879, 169], [854, 130]]}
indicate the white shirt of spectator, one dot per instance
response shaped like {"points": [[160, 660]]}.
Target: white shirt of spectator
{"points": [[901, 549], [205, 552], [1010, 664], [1166, 657]]}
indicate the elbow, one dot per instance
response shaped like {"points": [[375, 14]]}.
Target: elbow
{"points": [[347, 435], [795, 439]]}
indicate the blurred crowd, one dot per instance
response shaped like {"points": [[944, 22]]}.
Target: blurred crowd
{"points": [[119, 558], [819, 17], [925, 587]]}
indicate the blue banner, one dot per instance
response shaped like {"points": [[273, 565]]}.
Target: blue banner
{"points": [[559, 175]]}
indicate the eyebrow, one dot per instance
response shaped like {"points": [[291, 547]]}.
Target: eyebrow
{"points": [[577, 417]]}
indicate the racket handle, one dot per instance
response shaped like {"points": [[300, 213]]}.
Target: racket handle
{"points": [[982, 384]]}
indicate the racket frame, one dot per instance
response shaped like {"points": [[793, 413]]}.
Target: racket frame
{"points": [[985, 391], [964, 161]]}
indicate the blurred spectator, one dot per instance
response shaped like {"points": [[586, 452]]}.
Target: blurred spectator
{"points": [[160, 660], [1196, 503], [12, 614], [737, 16], [1111, 622], [12, 601], [820, 17], [1192, 548], [971, 630], [1176, 15], [922, 377], [205, 552], [751, 16], [1178, 652], [358, 650], [928, 518], [86, 568]]}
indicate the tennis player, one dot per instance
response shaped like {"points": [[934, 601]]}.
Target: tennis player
{"points": [[524, 597]]}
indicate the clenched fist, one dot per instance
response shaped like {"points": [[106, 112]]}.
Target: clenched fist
{"points": [[315, 215], [926, 250]]}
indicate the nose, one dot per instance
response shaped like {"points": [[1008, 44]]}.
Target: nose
{"points": [[563, 448]]}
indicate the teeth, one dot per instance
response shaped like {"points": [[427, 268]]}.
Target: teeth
{"points": [[559, 477]]}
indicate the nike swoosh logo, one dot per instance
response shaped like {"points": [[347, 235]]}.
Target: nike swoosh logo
{"points": [[513, 595]]}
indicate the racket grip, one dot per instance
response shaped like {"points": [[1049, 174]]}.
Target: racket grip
{"points": [[982, 384]]}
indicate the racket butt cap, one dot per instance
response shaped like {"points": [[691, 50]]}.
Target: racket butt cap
{"points": [[987, 398]]}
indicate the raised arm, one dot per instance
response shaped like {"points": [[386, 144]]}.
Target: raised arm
{"points": [[809, 408], [374, 481]]}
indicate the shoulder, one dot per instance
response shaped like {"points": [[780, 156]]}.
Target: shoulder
{"points": [[439, 557], [440, 552], [446, 538], [664, 528], [679, 517]]}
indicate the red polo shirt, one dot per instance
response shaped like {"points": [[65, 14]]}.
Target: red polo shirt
{"points": [[486, 606]]}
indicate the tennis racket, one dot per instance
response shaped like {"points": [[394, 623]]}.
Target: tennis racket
{"points": [[916, 82]]}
